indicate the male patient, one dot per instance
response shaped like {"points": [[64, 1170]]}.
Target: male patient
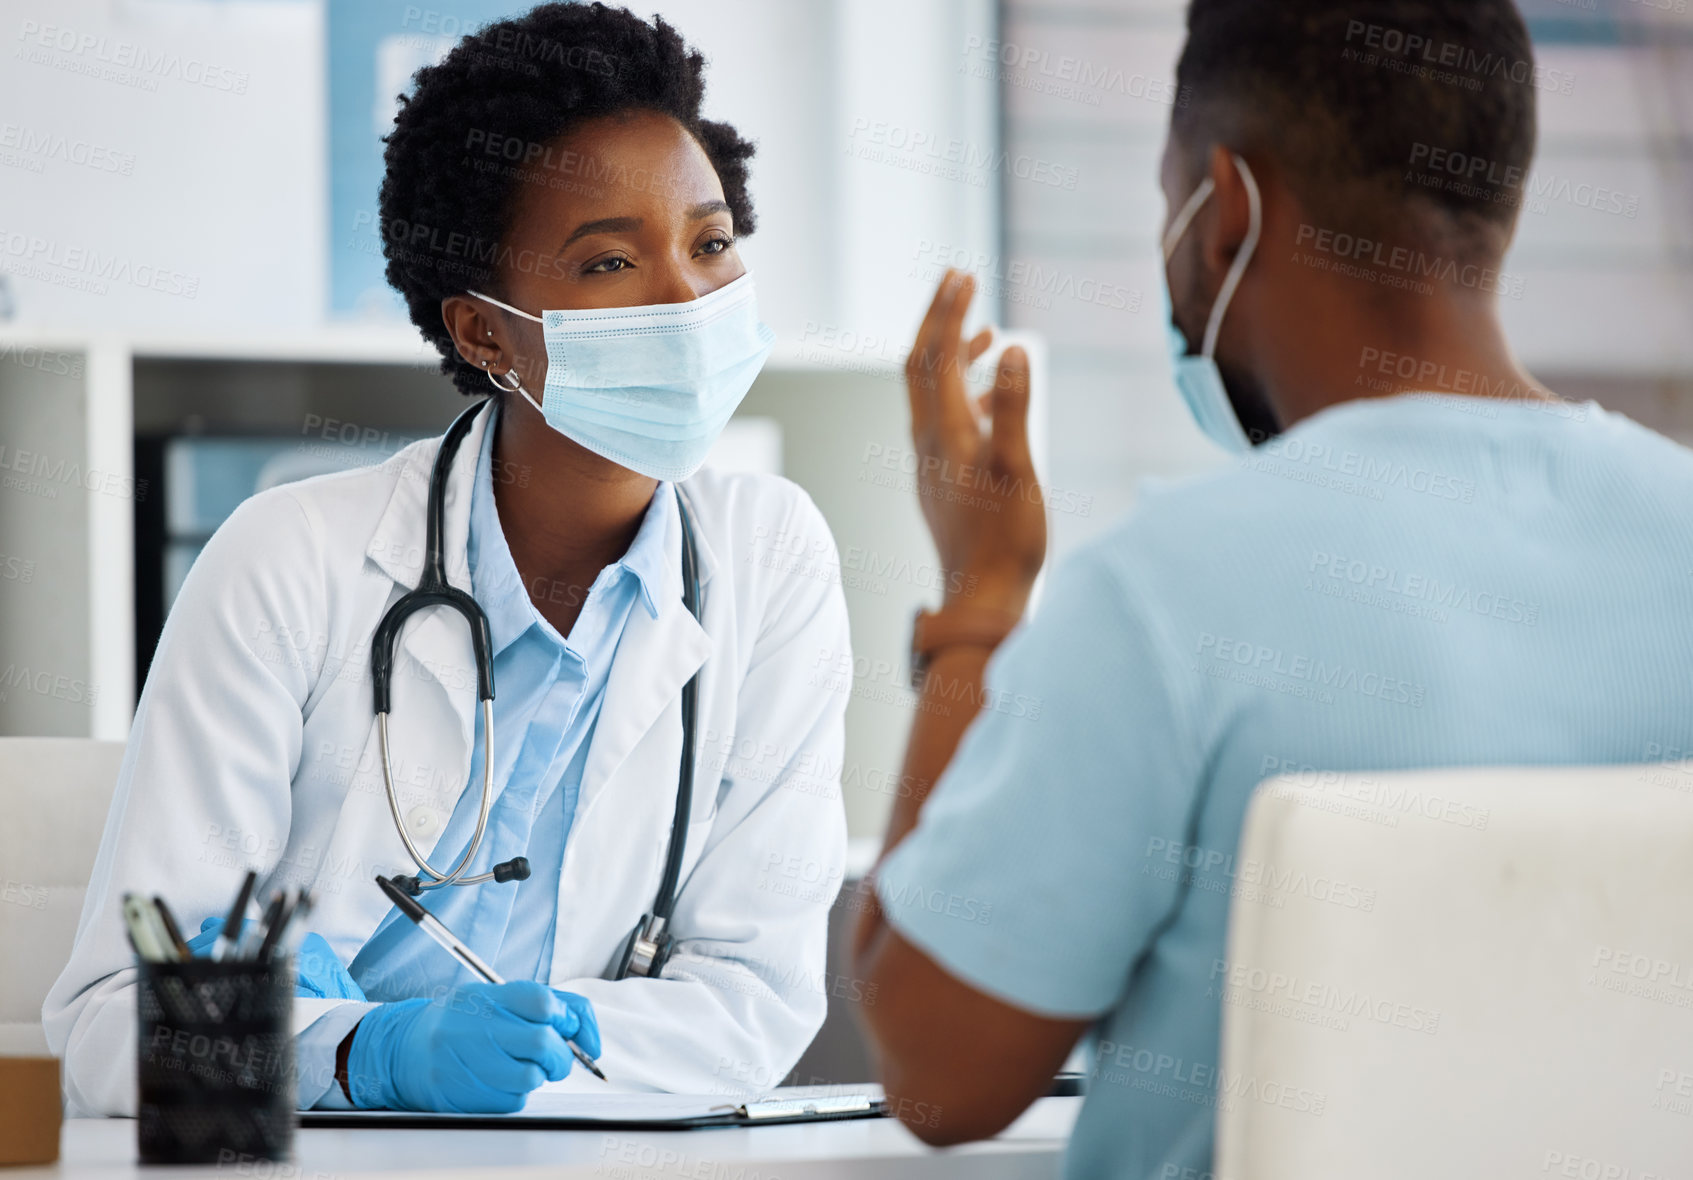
{"points": [[1426, 560]]}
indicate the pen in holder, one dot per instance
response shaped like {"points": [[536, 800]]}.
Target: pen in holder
{"points": [[215, 1060]]}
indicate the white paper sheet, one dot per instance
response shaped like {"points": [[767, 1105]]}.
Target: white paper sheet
{"points": [[652, 1108], [625, 1106]]}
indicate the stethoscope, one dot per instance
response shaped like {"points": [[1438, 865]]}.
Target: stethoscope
{"points": [[649, 945]]}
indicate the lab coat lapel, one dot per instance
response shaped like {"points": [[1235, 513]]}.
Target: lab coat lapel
{"points": [[435, 645], [615, 853], [617, 843], [655, 658]]}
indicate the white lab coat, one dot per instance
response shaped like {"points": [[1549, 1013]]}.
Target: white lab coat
{"points": [[254, 744]]}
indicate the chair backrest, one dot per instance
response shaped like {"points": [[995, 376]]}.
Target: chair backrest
{"points": [[1481, 973], [54, 794]]}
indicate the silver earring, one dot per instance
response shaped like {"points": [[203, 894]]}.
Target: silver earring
{"points": [[516, 385]]}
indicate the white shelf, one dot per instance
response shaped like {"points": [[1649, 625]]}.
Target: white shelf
{"points": [[382, 344], [394, 344]]}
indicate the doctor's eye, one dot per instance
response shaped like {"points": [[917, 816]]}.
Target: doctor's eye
{"points": [[608, 265], [718, 244]]}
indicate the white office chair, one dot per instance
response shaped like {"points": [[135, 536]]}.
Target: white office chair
{"points": [[54, 794], [1484, 973]]}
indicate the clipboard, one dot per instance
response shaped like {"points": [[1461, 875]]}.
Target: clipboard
{"points": [[771, 1110]]}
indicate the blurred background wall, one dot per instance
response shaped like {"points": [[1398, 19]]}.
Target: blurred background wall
{"points": [[1604, 249], [190, 267]]}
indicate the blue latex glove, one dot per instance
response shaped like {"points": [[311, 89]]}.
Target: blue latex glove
{"points": [[201, 943], [318, 975], [479, 1048], [319, 972]]}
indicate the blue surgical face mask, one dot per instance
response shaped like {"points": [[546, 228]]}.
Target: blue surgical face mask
{"points": [[650, 388], [1198, 377]]}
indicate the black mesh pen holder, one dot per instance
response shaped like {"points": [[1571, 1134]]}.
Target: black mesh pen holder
{"points": [[215, 1061]]}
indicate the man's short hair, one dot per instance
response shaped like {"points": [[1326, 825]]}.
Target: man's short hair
{"points": [[1417, 115]]}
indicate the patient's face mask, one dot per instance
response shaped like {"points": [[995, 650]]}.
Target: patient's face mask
{"points": [[1198, 377], [650, 388]]}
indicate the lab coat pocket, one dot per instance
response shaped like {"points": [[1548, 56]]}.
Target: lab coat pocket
{"points": [[709, 790], [699, 835]]}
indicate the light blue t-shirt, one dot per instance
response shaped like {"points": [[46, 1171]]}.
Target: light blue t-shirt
{"points": [[1418, 582]]}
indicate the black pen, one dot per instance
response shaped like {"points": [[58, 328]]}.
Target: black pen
{"points": [[172, 931], [229, 936], [431, 925], [284, 907], [254, 938], [303, 903]]}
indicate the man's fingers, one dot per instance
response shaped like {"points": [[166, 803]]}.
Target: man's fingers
{"points": [[938, 304], [931, 335], [934, 371], [951, 327], [924, 359], [952, 405], [1011, 411]]}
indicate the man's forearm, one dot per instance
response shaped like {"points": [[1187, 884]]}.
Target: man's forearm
{"points": [[951, 698], [957, 642], [927, 1012], [952, 694]]}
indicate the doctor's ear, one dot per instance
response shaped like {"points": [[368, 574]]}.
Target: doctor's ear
{"points": [[475, 335]]}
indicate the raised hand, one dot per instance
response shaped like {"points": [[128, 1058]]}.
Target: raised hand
{"points": [[977, 489]]}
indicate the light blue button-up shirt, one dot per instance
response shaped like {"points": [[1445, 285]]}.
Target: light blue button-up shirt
{"points": [[547, 696]]}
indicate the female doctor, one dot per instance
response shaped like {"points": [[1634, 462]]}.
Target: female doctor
{"points": [[553, 167]]}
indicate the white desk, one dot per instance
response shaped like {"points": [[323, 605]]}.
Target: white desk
{"points": [[104, 1149]]}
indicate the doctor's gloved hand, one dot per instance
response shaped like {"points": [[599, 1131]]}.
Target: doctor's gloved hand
{"points": [[319, 974], [481, 1048], [201, 943]]}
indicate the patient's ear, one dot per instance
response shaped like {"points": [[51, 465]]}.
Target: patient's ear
{"points": [[1222, 234]]}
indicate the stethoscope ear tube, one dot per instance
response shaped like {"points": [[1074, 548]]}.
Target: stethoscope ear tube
{"points": [[666, 901], [455, 875], [433, 589], [648, 947], [388, 634]]}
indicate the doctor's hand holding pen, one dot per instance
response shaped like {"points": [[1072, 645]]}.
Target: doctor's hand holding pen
{"points": [[477, 1048], [481, 1048]]}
